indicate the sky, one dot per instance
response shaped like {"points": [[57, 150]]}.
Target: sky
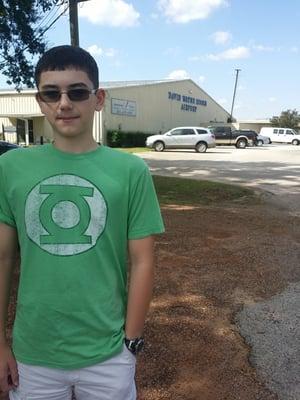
{"points": [[205, 40]]}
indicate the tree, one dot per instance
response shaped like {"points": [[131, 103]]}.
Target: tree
{"points": [[22, 38], [287, 119]]}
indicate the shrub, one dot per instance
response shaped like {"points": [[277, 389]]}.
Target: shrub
{"points": [[126, 139]]}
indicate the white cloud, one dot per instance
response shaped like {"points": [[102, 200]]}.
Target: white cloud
{"points": [[97, 51], [183, 11], [230, 54], [260, 47], [173, 51], [194, 58], [178, 74], [94, 50], [272, 99], [295, 49], [201, 79], [221, 37], [109, 12], [110, 52]]}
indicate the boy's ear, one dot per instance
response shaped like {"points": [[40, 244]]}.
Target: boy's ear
{"points": [[100, 94]]}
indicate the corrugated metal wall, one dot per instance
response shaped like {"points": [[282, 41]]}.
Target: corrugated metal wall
{"points": [[18, 104], [161, 107]]}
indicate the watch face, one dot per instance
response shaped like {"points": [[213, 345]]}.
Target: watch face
{"points": [[139, 345], [135, 345]]}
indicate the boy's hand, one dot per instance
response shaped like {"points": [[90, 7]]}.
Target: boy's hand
{"points": [[9, 377]]}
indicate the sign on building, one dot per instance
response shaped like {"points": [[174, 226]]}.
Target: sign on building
{"points": [[123, 107]]}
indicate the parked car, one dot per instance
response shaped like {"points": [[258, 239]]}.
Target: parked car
{"points": [[239, 138], [261, 140], [185, 137], [6, 146], [281, 135]]}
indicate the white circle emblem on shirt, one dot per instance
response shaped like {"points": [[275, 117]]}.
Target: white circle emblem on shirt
{"points": [[65, 215]]}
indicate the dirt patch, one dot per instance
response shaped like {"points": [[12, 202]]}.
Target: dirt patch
{"points": [[212, 261]]}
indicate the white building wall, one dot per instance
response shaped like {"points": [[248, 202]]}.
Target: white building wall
{"points": [[162, 106], [13, 103], [255, 126]]}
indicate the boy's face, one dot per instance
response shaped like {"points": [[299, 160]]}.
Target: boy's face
{"points": [[69, 118]]}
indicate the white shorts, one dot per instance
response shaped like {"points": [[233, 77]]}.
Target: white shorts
{"points": [[112, 379]]}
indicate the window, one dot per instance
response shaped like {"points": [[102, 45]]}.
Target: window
{"points": [[201, 131], [288, 132], [222, 129], [188, 132], [176, 132], [281, 131], [275, 130]]}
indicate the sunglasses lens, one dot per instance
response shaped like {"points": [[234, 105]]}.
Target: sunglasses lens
{"points": [[52, 96], [49, 96], [78, 94]]}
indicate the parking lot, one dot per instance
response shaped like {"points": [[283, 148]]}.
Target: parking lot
{"points": [[272, 168]]}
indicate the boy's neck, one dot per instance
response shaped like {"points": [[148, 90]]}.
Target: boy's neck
{"points": [[72, 145]]}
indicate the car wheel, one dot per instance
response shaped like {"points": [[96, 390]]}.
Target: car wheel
{"points": [[295, 142], [241, 144], [201, 147], [260, 142], [159, 146]]}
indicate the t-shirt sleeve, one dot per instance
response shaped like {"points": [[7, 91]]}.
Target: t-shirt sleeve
{"points": [[6, 215], [144, 217]]}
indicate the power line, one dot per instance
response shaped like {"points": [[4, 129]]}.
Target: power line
{"points": [[47, 16], [41, 33]]}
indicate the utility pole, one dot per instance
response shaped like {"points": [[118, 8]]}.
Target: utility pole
{"points": [[236, 80], [73, 15]]}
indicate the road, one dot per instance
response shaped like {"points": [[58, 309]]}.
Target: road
{"points": [[271, 168]]}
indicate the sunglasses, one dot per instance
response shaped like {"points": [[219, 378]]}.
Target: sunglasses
{"points": [[52, 96]]}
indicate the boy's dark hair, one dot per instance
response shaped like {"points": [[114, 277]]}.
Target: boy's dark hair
{"points": [[60, 58]]}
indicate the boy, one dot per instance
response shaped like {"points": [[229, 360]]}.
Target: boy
{"points": [[76, 210]]}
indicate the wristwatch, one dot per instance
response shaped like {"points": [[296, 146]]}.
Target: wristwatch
{"points": [[134, 345]]}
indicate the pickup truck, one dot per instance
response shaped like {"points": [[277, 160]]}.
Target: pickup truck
{"points": [[239, 138]]}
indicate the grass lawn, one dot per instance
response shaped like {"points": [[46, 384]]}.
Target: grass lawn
{"points": [[133, 149], [194, 192]]}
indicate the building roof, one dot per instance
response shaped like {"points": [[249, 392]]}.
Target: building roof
{"points": [[124, 84], [118, 84], [106, 85]]}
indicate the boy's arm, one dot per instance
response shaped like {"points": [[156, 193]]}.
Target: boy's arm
{"points": [[141, 253], [8, 259]]}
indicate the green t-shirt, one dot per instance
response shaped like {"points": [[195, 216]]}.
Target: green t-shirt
{"points": [[74, 214]]}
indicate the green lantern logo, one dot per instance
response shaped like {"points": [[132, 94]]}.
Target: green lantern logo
{"points": [[65, 215]]}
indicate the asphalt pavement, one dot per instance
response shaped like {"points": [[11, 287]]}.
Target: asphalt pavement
{"points": [[272, 327], [274, 169]]}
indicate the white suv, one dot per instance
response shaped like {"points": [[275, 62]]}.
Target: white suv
{"points": [[185, 137]]}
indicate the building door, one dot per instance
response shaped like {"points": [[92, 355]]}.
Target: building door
{"points": [[21, 131], [30, 131]]}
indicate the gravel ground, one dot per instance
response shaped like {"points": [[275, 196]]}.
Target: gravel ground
{"points": [[272, 329]]}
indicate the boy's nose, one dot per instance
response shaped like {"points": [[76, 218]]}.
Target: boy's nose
{"points": [[64, 100]]}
